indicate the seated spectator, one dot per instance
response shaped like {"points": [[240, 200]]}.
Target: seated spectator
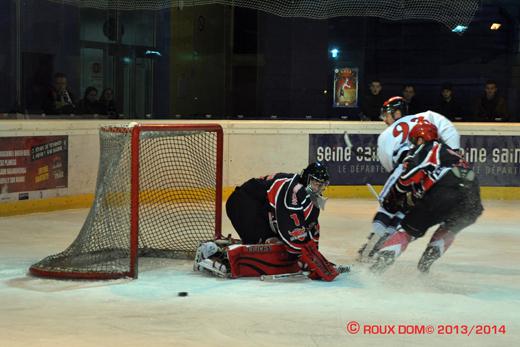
{"points": [[89, 105], [59, 100], [372, 102], [448, 105], [491, 107], [411, 105], [108, 104]]}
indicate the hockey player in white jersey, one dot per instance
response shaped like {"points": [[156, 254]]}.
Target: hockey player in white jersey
{"points": [[392, 146]]}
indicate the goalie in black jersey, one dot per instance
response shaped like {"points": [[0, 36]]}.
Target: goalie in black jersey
{"points": [[437, 186], [282, 207]]}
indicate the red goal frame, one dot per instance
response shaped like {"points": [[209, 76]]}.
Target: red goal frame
{"points": [[134, 198]]}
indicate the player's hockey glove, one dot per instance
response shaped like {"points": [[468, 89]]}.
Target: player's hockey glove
{"points": [[319, 267], [394, 201]]}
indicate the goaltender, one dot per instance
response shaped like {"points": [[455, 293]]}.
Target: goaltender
{"points": [[276, 217]]}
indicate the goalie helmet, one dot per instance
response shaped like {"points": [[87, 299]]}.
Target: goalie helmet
{"points": [[316, 171], [425, 130], [315, 178], [391, 105]]}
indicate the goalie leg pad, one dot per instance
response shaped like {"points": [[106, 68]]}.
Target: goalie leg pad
{"points": [[211, 259], [205, 250], [260, 259], [213, 267]]}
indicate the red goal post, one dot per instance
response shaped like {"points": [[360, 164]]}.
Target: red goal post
{"points": [[158, 194]]}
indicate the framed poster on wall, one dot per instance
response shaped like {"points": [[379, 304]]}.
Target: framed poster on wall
{"points": [[345, 87]]}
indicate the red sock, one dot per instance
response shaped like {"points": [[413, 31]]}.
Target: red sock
{"points": [[397, 242], [442, 238]]}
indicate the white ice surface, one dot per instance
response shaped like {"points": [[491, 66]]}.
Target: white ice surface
{"points": [[476, 282]]}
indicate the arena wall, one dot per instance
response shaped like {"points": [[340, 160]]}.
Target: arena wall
{"points": [[251, 149]]}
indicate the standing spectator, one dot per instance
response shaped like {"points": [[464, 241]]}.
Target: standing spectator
{"points": [[448, 106], [491, 107], [372, 102], [59, 99], [108, 104], [411, 105], [89, 105]]}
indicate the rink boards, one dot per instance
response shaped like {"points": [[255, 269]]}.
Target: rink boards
{"points": [[251, 149]]}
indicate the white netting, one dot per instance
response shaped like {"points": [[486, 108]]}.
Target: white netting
{"points": [[177, 200], [449, 12]]}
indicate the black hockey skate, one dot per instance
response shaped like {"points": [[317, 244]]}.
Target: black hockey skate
{"points": [[383, 261], [373, 251], [431, 254], [360, 251]]}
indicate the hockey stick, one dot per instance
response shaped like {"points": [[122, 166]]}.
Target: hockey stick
{"points": [[347, 140], [374, 193], [290, 275], [301, 274]]}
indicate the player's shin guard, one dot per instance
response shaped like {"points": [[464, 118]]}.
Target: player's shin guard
{"points": [[439, 243], [391, 249], [383, 225]]}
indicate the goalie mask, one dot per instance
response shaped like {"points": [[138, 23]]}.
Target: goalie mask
{"points": [[315, 178]]}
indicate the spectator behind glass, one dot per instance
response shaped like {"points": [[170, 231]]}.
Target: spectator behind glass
{"points": [[491, 107], [89, 105], [411, 105], [108, 104], [448, 105], [372, 102], [59, 100]]}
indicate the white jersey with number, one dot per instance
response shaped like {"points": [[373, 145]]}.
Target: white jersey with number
{"points": [[394, 140]]}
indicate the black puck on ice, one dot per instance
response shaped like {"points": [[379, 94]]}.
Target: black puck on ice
{"points": [[182, 294]]}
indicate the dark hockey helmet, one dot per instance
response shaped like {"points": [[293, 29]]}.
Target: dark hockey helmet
{"points": [[317, 171], [425, 130], [391, 105]]}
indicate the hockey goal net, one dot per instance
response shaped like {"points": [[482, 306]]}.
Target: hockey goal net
{"points": [[449, 12], [158, 194]]}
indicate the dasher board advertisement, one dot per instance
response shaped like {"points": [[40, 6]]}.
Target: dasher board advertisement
{"points": [[352, 159], [32, 166]]}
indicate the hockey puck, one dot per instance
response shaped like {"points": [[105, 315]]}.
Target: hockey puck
{"points": [[182, 294]]}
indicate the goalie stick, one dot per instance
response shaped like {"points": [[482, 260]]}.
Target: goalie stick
{"points": [[292, 275], [301, 274]]}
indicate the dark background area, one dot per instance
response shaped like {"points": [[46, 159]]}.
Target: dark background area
{"points": [[224, 62]]}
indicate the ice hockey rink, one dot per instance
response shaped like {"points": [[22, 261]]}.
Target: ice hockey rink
{"points": [[477, 282]]}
